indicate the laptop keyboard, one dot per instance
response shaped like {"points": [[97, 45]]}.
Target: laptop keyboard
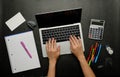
{"points": [[60, 34]]}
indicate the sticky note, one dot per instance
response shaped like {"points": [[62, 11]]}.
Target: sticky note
{"points": [[15, 21]]}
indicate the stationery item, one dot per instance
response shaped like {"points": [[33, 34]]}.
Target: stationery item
{"points": [[90, 52], [96, 45], [100, 46], [15, 21], [96, 53], [23, 45], [95, 50], [89, 63], [91, 56], [17, 46]]}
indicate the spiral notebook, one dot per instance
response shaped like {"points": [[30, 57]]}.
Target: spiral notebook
{"points": [[22, 52]]}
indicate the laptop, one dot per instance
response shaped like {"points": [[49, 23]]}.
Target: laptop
{"points": [[60, 25]]}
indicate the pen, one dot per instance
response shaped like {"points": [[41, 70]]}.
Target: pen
{"points": [[95, 50], [90, 62], [100, 46], [90, 52], [23, 45], [92, 55], [96, 45]]}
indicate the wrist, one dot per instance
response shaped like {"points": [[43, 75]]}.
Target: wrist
{"points": [[53, 62], [81, 58]]}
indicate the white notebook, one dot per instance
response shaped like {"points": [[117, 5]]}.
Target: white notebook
{"points": [[22, 52]]}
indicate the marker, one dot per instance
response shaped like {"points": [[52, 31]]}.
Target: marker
{"points": [[23, 45], [96, 53], [90, 52], [96, 45], [100, 46], [92, 55], [90, 62], [95, 50]]}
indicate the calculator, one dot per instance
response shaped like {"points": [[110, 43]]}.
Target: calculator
{"points": [[96, 29]]}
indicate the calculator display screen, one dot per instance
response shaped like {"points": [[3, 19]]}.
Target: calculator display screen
{"points": [[98, 23]]}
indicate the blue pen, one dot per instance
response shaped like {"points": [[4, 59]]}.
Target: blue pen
{"points": [[100, 46], [96, 52]]}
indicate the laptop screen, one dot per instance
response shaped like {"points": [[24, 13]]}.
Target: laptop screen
{"points": [[58, 18]]}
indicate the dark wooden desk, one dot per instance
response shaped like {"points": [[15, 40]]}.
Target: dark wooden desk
{"points": [[108, 10]]}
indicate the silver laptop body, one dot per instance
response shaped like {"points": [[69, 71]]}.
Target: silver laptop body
{"points": [[64, 45]]}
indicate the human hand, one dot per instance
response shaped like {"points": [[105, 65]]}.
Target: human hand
{"points": [[53, 51], [76, 46]]}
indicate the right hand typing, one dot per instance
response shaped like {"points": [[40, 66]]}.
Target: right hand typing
{"points": [[76, 46]]}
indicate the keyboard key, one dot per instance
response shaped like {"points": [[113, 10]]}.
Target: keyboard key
{"points": [[60, 34]]}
